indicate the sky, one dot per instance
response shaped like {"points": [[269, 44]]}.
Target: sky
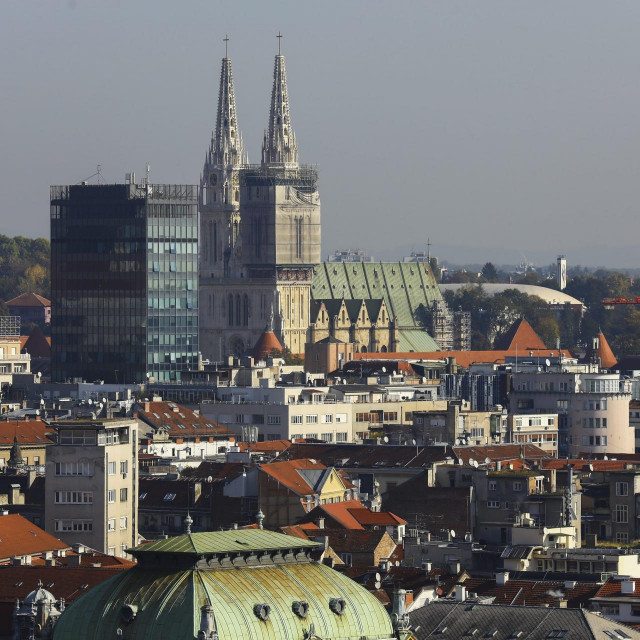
{"points": [[500, 129]]}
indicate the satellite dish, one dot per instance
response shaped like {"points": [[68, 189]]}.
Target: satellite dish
{"points": [[395, 373], [475, 464], [378, 584], [423, 380], [39, 374], [386, 438], [104, 400], [471, 461], [384, 369], [547, 362], [89, 401], [453, 533], [487, 460], [378, 578], [414, 442], [460, 461], [37, 412]]}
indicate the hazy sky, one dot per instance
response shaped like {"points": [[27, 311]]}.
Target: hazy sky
{"points": [[496, 128]]}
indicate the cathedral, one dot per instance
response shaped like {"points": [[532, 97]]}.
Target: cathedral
{"points": [[260, 252]]}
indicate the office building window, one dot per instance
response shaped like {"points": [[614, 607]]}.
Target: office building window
{"points": [[111, 525], [341, 417], [111, 551], [73, 469], [111, 495], [342, 436], [124, 466], [73, 497], [73, 525], [327, 418], [493, 485], [493, 504], [622, 536], [622, 488], [312, 419], [124, 494], [123, 522], [273, 419], [296, 419], [327, 437], [112, 468]]}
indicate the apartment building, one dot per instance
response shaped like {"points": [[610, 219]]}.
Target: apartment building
{"points": [[540, 429], [91, 484], [592, 408], [11, 360]]}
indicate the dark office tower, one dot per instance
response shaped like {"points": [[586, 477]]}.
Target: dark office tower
{"points": [[124, 281]]}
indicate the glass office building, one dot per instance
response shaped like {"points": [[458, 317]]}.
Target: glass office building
{"points": [[124, 282]]}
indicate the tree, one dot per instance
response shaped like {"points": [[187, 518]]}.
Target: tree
{"points": [[489, 272]]}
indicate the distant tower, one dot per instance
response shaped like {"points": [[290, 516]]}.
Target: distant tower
{"points": [[561, 273]]}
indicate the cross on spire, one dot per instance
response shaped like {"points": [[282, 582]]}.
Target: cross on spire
{"points": [[279, 36], [226, 45]]}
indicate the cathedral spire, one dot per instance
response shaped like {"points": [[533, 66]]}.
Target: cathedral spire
{"points": [[279, 148], [226, 143]]}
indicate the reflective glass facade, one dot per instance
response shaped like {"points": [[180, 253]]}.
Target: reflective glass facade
{"points": [[124, 265]]}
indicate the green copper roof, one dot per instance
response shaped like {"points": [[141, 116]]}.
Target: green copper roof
{"points": [[236, 540], [406, 287], [169, 604]]}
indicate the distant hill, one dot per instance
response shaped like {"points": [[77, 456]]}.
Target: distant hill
{"points": [[24, 266]]}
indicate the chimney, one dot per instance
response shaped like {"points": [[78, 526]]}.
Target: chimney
{"points": [[561, 603], [628, 587], [320, 523], [502, 577], [74, 561], [14, 496], [461, 593], [50, 562]]}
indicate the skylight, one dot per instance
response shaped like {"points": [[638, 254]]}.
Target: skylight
{"points": [[557, 633], [143, 495], [170, 496]]}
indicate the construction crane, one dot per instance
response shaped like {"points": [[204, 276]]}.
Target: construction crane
{"points": [[609, 303]]}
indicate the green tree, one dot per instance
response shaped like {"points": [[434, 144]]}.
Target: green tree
{"points": [[489, 273]]}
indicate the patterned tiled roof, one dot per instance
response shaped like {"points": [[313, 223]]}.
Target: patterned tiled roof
{"points": [[520, 336], [28, 300], [19, 537]]}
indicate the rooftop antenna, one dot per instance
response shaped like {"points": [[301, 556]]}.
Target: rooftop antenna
{"points": [[429, 250], [226, 45], [279, 36], [148, 173]]}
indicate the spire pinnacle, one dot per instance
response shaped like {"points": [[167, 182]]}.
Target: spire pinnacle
{"points": [[279, 148], [226, 45], [226, 143]]}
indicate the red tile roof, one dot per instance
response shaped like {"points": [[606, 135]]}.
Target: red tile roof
{"points": [[267, 343], [28, 432], [583, 465], [181, 422], [36, 344], [19, 537], [303, 531], [286, 473], [28, 300], [366, 516], [520, 336]]}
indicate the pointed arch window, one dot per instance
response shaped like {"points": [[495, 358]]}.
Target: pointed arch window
{"points": [[245, 311], [238, 310], [230, 310]]}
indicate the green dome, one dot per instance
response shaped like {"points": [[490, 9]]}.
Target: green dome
{"points": [[249, 585]]}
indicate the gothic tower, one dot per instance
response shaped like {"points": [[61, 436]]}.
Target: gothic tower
{"points": [[220, 190], [260, 230]]}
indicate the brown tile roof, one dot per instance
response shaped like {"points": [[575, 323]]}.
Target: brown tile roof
{"points": [[19, 537], [500, 452], [87, 559], [613, 588], [520, 336], [352, 541], [286, 473], [533, 592], [62, 582], [463, 358], [366, 516], [267, 446], [36, 344], [360, 455], [181, 422], [28, 300], [304, 531], [27, 431], [267, 343]]}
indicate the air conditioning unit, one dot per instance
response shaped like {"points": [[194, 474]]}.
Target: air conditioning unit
{"points": [[124, 475]]}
